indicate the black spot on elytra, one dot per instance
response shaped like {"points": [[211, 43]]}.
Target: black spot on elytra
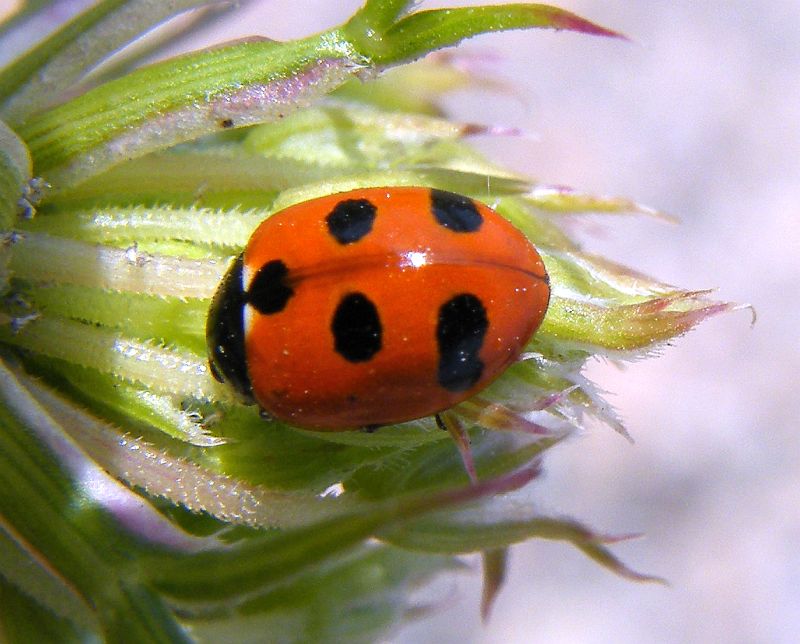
{"points": [[225, 332], [350, 220], [460, 332], [455, 212], [356, 327], [226, 123], [270, 290]]}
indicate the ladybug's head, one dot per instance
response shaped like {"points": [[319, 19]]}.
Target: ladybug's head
{"points": [[225, 333]]}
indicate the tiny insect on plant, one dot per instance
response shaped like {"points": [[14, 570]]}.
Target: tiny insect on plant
{"points": [[375, 307]]}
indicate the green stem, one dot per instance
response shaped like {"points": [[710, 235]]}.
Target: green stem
{"points": [[37, 497], [180, 99], [253, 82], [40, 76]]}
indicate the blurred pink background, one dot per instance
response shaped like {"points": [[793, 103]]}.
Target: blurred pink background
{"points": [[699, 117]]}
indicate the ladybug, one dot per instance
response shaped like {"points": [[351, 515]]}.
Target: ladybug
{"points": [[374, 307]]}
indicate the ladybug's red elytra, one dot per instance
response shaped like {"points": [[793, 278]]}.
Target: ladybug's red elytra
{"points": [[375, 306]]}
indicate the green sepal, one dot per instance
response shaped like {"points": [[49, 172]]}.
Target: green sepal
{"points": [[353, 598], [470, 531], [420, 32], [15, 176], [262, 563], [251, 82], [150, 108], [59, 517]]}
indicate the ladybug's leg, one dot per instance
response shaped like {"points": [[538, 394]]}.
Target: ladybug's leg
{"points": [[450, 423]]}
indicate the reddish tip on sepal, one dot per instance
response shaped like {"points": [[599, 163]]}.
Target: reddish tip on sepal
{"points": [[459, 435], [561, 19]]}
